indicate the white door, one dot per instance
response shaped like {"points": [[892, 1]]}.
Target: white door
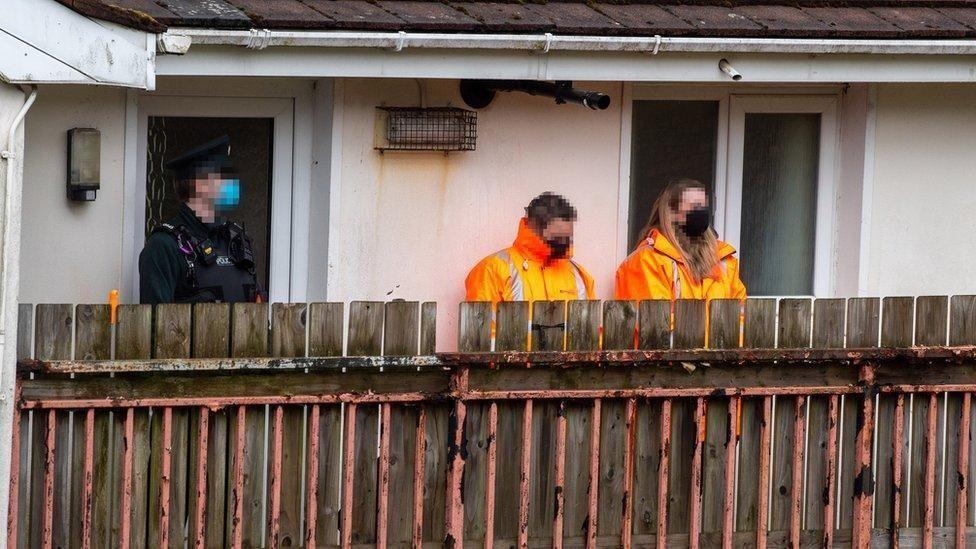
{"points": [[779, 198], [264, 128]]}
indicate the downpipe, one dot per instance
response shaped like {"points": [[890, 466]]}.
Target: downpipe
{"points": [[11, 156], [8, 315]]}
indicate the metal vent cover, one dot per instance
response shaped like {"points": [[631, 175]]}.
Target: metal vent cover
{"points": [[426, 129]]}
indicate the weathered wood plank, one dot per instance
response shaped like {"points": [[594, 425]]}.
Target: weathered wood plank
{"points": [[330, 475], [619, 325], [401, 333], [689, 324], [365, 339], [828, 323], [655, 324], [576, 486], [724, 323], [896, 331], [508, 437], [962, 320], [512, 333], [133, 332], [613, 436], [288, 340], [435, 471], [133, 340], [863, 330], [52, 341], [828, 332], [759, 330], [93, 341], [29, 442], [794, 323], [428, 328], [724, 332], [931, 328], [403, 443], [474, 325], [548, 326], [171, 332], [325, 329], [475, 465], [931, 320], [794, 332], [647, 460], [583, 325], [248, 331]]}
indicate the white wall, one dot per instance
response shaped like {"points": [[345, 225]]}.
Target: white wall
{"points": [[923, 233], [411, 225], [71, 251]]}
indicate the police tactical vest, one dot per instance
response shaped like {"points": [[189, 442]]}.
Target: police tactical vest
{"points": [[214, 273]]}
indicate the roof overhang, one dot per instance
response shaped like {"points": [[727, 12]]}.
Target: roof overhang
{"points": [[45, 42], [262, 52]]}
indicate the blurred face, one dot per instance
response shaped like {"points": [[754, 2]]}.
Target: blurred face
{"points": [[691, 199], [214, 192], [558, 234]]}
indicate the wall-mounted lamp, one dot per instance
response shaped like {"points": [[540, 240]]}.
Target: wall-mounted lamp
{"points": [[84, 163]]}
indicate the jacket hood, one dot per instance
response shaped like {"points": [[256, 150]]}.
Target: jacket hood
{"points": [[532, 246]]}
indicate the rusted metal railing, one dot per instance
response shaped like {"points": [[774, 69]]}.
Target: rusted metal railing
{"points": [[570, 437]]}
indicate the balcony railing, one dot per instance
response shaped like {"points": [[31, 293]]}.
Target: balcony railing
{"points": [[567, 424]]}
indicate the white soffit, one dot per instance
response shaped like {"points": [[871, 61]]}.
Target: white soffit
{"points": [[51, 43]]}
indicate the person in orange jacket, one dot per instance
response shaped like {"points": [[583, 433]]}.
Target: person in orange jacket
{"points": [[538, 265], [680, 256]]}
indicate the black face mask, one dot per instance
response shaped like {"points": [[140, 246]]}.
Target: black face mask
{"points": [[696, 222], [559, 246]]}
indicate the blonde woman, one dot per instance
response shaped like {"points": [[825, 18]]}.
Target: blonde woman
{"points": [[680, 256]]}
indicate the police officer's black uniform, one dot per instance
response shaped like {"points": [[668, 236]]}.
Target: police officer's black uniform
{"points": [[188, 261]]}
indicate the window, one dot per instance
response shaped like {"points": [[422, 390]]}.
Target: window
{"points": [[768, 163]]}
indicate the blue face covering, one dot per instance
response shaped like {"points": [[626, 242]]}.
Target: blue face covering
{"points": [[229, 194]]}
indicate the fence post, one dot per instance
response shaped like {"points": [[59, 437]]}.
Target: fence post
{"points": [[863, 479]]}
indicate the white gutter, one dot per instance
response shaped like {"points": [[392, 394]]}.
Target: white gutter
{"points": [[397, 41]]}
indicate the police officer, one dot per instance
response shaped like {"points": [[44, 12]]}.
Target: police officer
{"points": [[195, 257]]}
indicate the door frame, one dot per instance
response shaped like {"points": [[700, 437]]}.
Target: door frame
{"points": [[731, 213], [282, 111]]}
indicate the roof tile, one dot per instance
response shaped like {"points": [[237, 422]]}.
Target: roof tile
{"points": [[785, 21], [282, 13], [574, 18], [715, 20], [506, 17], [922, 21], [207, 13], [854, 22], [356, 14], [645, 19], [429, 16]]}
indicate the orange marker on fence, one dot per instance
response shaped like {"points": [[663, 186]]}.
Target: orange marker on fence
{"points": [[113, 303]]}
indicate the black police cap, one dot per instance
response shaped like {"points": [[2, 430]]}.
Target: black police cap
{"points": [[214, 155]]}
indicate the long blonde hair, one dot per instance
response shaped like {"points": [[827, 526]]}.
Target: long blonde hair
{"points": [[700, 253]]}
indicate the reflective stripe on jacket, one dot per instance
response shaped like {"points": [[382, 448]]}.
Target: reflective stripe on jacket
{"points": [[655, 270], [523, 272]]}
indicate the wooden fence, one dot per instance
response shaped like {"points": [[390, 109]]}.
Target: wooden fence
{"points": [[577, 424]]}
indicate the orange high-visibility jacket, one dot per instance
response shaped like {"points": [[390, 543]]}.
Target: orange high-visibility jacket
{"points": [[524, 272], [655, 270]]}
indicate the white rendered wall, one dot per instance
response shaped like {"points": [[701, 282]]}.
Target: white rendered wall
{"points": [[71, 251], [923, 228], [411, 225]]}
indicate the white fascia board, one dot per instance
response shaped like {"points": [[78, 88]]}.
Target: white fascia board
{"points": [[22, 64], [98, 52], [319, 62]]}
